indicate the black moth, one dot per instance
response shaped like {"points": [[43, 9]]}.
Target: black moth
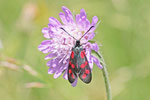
{"points": [[78, 63]]}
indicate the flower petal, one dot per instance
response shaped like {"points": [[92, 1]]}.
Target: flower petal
{"points": [[51, 70], [77, 18], [97, 62], [52, 30], [94, 20], [91, 64], [60, 70], [82, 22], [53, 63], [60, 67], [45, 31], [55, 67], [45, 46], [62, 17], [91, 35], [68, 14], [95, 47], [54, 21], [75, 82], [51, 55], [65, 76], [46, 42], [56, 75], [83, 14], [87, 24]]}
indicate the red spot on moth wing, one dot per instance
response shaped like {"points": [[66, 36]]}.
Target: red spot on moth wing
{"points": [[82, 65], [82, 54], [69, 62], [70, 71], [72, 65], [72, 55], [87, 71], [86, 63], [72, 75], [84, 76]]}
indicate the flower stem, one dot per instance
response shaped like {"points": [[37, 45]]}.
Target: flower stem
{"points": [[106, 78]]}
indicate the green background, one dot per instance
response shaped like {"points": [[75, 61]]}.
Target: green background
{"points": [[124, 36]]}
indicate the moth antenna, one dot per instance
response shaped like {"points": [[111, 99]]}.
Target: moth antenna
{"points": [[86, 32], [67, 33]]}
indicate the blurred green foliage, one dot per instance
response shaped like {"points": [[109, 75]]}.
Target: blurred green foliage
{"points": [[123, 33]]}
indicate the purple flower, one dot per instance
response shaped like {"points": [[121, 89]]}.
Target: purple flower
{"points": [[59, 44]]}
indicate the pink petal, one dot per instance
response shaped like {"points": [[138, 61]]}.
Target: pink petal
{"points": [[54, 21], [65, 76], [51, 55], [77, 18], [75, 82], [45, 46], [53, 63], [83, 14], [97, 62], [63, 19], [68, 14], [45, 31], [94, 20], [95, 47], [51, 70], [56, 75]]}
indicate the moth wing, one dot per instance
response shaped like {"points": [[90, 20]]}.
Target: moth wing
{"points": [[84, 68], [72, 68]]}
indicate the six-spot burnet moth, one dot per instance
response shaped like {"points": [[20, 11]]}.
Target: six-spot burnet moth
{"points": [[78, 63]]}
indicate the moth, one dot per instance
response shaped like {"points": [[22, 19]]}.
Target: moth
{"points": [[78, 63]]}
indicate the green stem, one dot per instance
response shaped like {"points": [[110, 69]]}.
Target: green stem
{"points": [[106, 78]]}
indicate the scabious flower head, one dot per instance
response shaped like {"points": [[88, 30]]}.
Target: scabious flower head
{"points": [[59, 45]]}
